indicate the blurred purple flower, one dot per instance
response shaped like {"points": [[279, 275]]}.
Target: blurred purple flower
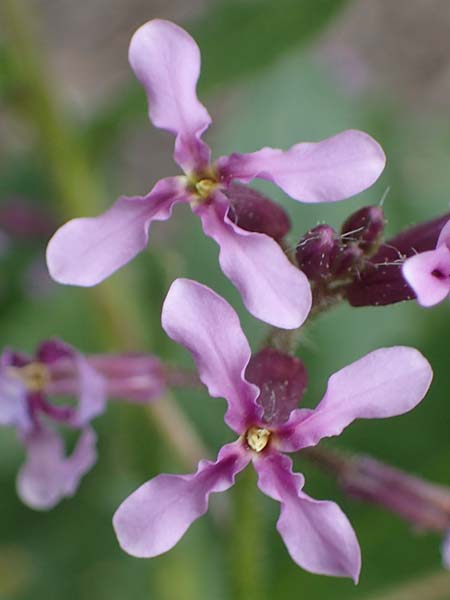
{"points": [[166, 60], [58, 370], [317, 534], [428, 273]]}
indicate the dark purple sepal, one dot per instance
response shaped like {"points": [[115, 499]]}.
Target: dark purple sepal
{"points": [[364, 228], [282, 381], [381, 282], [346, 260], [317, 251], [252, 211], [53, 350]]}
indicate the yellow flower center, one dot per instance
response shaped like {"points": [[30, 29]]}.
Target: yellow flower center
{"points": [[35, 376], [205, 187], [257, 438]]}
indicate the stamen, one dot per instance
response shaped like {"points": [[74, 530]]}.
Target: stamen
{"points": [[205, 187], [258, 438], [35, 376]]}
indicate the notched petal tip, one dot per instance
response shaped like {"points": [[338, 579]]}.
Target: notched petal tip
{"points": [[166, 60]]}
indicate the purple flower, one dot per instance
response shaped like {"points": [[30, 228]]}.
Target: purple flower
{"points": [[428, 273], [166, 60], [48, 475], [317, 534], [58, 370]]}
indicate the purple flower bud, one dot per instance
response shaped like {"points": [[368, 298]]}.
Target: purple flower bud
{"points": [[282, 381], [22, 220], [316, 252], [381, 282], [365, 228], [346, 260], [251, 210], [425, 505], [135, 377]]}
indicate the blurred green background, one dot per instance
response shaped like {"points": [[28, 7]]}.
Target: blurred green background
{"points": [[75, 135]]}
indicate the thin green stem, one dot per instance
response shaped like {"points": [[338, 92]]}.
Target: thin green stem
{"points": [[77, 190], [247, 541]]}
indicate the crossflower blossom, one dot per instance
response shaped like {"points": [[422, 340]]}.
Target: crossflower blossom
{"points": [[166, 60], [28, 388], [428, 273], [317, 534]]}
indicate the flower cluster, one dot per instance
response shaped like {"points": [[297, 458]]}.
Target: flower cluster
{"points": [[280, 287]]}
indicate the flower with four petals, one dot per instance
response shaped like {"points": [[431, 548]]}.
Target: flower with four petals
{"points": [[166, 60], [317, 534]]}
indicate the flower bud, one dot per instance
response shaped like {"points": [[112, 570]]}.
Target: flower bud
{"points": [[282, 381], [381, 282], [252, 211], [364, 228], [316, 252], [425, 505], [346, 260], [135, 377]]}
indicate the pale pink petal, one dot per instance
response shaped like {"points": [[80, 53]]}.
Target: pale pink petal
{"points": [[166, 60], [13, 403], [203, 322], [384, 383], [84, 381], [154, 518], [272, 288], [48, 475], [428, 273], [86, 251], [317, 534], [444, 236], [333, 169], [445, 550]]}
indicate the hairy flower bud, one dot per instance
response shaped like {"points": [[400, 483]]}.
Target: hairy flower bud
{"points": [[316, 252], [346, 260], [364, 228], [251, 210], [282, 381], [382, 282]]}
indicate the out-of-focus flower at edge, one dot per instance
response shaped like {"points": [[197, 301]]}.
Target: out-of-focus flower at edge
{"points": [[423, 504], [166, 60], [428, 273], [318, 535], [58, 370]]}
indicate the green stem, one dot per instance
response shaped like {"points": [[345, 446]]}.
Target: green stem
{"points": [[78, 191], [247, 540]]}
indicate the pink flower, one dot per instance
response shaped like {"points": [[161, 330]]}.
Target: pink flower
{"points": [[166, 60], [317, 534], [27, 386], [428, 273], [48, 475]]}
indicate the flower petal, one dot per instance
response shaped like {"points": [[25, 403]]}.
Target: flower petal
{"points": [[272, 288], [155, 517], [77, 377], [317, 533], [333, 169], [166, 60], [86, 251], [444, 236], [428, 273], [384, 383], [48, 475], [13, 403], [445, 551], [203, 322]]}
